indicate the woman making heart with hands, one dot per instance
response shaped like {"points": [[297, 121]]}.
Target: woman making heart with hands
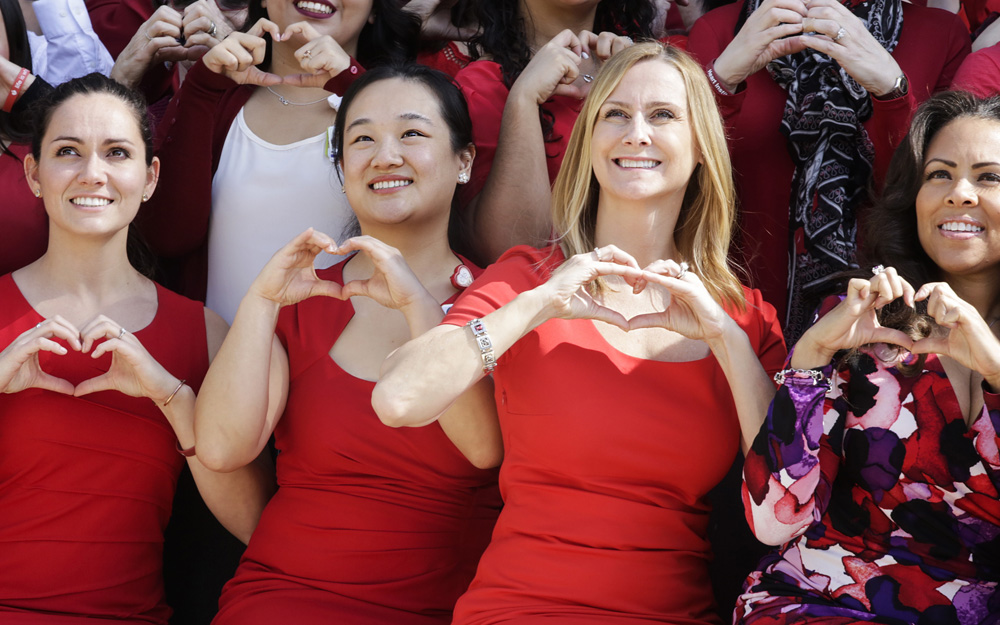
{"points": [[831, 86], [876, 472], [369, 524], [535, 60], [98, 373], [245, 146], [628, 374]]}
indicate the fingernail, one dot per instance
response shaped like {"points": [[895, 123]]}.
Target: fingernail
{"points": [[585, 55]]}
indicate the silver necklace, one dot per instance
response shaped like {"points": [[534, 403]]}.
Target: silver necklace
{"points": [[290, 103]]}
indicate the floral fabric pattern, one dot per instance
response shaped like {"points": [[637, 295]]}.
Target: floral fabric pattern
{"points": [[889, 498]]}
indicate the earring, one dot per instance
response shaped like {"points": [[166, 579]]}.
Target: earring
{"points": [[463, 178], [342, 189], [145, 197], [37, 192]]}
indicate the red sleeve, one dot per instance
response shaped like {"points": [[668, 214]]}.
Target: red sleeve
{"points": [[189, 142], [116, 21], [980, 73], [484, 90], [957, 47], [520, 269], [760, 322]]}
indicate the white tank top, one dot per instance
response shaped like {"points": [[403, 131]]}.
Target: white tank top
{"points": [[263, 195]]}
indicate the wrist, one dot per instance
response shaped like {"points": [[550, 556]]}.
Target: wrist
{"points": [[169, 393], [725, 77], [539, 305], [808, 355], [422, 313]]}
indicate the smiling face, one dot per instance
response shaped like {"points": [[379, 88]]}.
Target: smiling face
{"points": [[958, 205], [91, 169], [398, 161], [341, 19], [643, 147]]}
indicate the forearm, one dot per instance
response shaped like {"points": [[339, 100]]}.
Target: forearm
{"points": [[231, 420], [237, 499], [750, 385], [513, 207], [424, 377], [786, 490]]}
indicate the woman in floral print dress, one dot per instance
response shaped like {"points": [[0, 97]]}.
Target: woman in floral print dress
{"points": [[877, 468]]}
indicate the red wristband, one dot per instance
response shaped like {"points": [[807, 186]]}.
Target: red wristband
{"points": [[716, 84], [15, 90]]}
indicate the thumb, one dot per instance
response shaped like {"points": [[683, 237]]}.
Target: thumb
{"points": [[52, 383], [261, 78], [930, 345], [100, 383], [893, 337], [600, 313], [354, 288]]}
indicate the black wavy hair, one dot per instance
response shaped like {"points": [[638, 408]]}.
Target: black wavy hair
{"points": [[454, 111], [392, 36], [139, 254], [889, 227], [503, 37], [20, 54]]}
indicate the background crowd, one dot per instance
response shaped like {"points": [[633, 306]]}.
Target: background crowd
{"points": [[284, 282]]}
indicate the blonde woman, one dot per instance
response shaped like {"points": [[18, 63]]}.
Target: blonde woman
{"points": [[629, 364]]}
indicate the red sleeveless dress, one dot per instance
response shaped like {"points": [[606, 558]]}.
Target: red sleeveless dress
{"points": [[87, 483]]}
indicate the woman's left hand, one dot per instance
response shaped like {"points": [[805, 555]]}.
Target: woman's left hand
{"points": [[203, 24], [856, 50], [321, 57], [393, 285], [689, 309], [133, 371], [969, 341]]}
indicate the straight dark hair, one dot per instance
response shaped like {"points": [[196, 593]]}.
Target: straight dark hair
{"points": [[454, 111], [20, 54]]}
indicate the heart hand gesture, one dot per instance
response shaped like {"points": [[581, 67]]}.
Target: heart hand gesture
{"points": [[289, 277], [566, 294], [19, 368], [239, 54]]}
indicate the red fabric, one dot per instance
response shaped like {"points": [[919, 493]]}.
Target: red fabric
{"points": [[449, 59], [116, 22], [931, 47], [608, 459], [482, 84], [86, 484], [24, 226], [980, 73], [370, 524], [189, 143]]}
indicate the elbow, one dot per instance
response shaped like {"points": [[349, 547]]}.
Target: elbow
{"points": [[214, 459], [486, 458], [392, 406]]}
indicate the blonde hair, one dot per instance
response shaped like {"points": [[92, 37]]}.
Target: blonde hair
{"points": [[708, 212]]}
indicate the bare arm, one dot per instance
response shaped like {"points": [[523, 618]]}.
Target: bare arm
{"points": [[237, 498]]}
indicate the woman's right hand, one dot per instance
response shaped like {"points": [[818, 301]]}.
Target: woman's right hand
{"points": [[393, 284], [239, 54], [566, 294], [552, 70], [289, 277], [19, 368], [766, 35], [854, 321]]}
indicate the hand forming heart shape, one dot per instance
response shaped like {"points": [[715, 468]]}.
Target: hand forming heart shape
{"points": [[132, 372]]}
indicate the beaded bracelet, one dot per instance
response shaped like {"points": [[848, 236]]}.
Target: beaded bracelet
{"points": [[485, 345], [817, 376]]}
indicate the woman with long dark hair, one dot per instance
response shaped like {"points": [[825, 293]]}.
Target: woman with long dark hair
{"points": [[246, 141], [536, 59], [876, 470], [369, 525]]}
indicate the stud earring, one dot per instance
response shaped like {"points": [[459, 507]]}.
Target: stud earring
{"points": [[145, 197], [37, 192], [342, 189], [463, 178]]}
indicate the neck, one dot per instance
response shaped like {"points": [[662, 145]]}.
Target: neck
{"points": [[92, 268], [542, 21], [980, 290], [426, 251], [644, 230]]}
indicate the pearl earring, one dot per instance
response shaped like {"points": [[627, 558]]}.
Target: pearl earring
{"points": [[463, 178], [37, 192], [145, 197]]}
